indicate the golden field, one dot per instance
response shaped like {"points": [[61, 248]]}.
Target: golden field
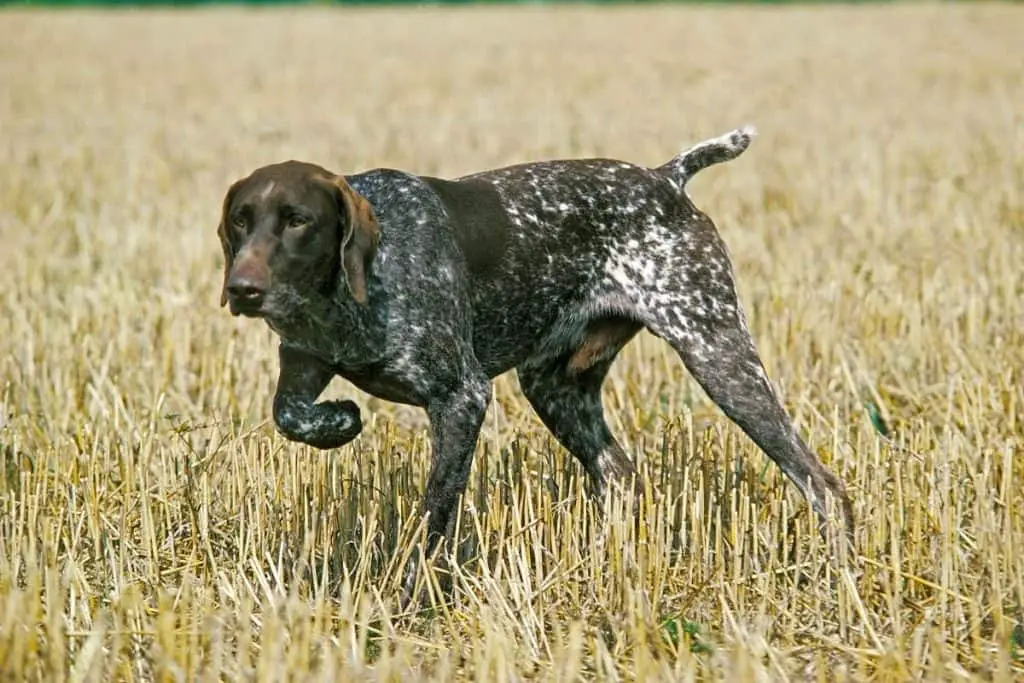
{"points": [[154, 527]]}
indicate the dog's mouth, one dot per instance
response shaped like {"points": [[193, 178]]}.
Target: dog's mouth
{"points": [[247, 308], [282, 307]]}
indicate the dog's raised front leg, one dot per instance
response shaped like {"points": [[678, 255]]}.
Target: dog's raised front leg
{"points": [[298, 416]]}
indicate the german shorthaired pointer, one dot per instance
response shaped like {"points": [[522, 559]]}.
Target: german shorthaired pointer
{"points": [[421, 290]]}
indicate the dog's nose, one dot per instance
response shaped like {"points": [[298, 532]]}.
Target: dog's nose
{"points": [[246, 290]]}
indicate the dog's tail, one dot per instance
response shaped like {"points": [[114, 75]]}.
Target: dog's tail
{"points": [[690, 162]]}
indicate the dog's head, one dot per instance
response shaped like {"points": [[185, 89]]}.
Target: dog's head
{"points": [[292, 229]]}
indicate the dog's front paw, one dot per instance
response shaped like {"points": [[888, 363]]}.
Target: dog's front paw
{"points": [[330, 424], [343, 422]]}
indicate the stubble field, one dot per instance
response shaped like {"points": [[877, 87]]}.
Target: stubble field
{"points": [[154, 527]]}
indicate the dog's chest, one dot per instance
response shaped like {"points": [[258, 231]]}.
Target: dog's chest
{"points": [[381, 380], [382, 377], [331, 347]]}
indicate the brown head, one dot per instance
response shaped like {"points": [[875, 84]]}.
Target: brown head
{"points": [[293, 226]]}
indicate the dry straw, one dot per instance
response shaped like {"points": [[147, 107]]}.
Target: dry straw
{"points": [[155, 528]]}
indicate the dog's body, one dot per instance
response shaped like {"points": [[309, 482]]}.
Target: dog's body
{"points": [[430, 288]]}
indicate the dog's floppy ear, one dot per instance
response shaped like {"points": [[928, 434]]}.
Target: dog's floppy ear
{"points": [[359, 237], [225, 243]]}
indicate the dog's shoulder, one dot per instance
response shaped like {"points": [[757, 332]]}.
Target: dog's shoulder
{"points": [[479, 222]]}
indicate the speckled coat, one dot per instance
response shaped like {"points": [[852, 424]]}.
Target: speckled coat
{"points": [[421, 290]]}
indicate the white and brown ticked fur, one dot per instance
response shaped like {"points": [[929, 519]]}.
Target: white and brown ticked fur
{"points": [[420, 290]]}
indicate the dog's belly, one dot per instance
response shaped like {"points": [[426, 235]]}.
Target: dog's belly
{"points": [[507, 341], [505, 337], [522, 315]]}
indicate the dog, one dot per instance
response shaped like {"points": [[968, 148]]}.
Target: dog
{"points": [[421, 290]]}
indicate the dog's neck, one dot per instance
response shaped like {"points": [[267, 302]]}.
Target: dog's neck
{"points": [[335, 328]]}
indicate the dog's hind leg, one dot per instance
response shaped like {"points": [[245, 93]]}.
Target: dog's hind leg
{"points": [[567, 398], [703, 321]]}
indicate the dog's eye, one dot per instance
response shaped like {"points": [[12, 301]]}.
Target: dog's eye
{"points": [[239, 222], [296, 222]]}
